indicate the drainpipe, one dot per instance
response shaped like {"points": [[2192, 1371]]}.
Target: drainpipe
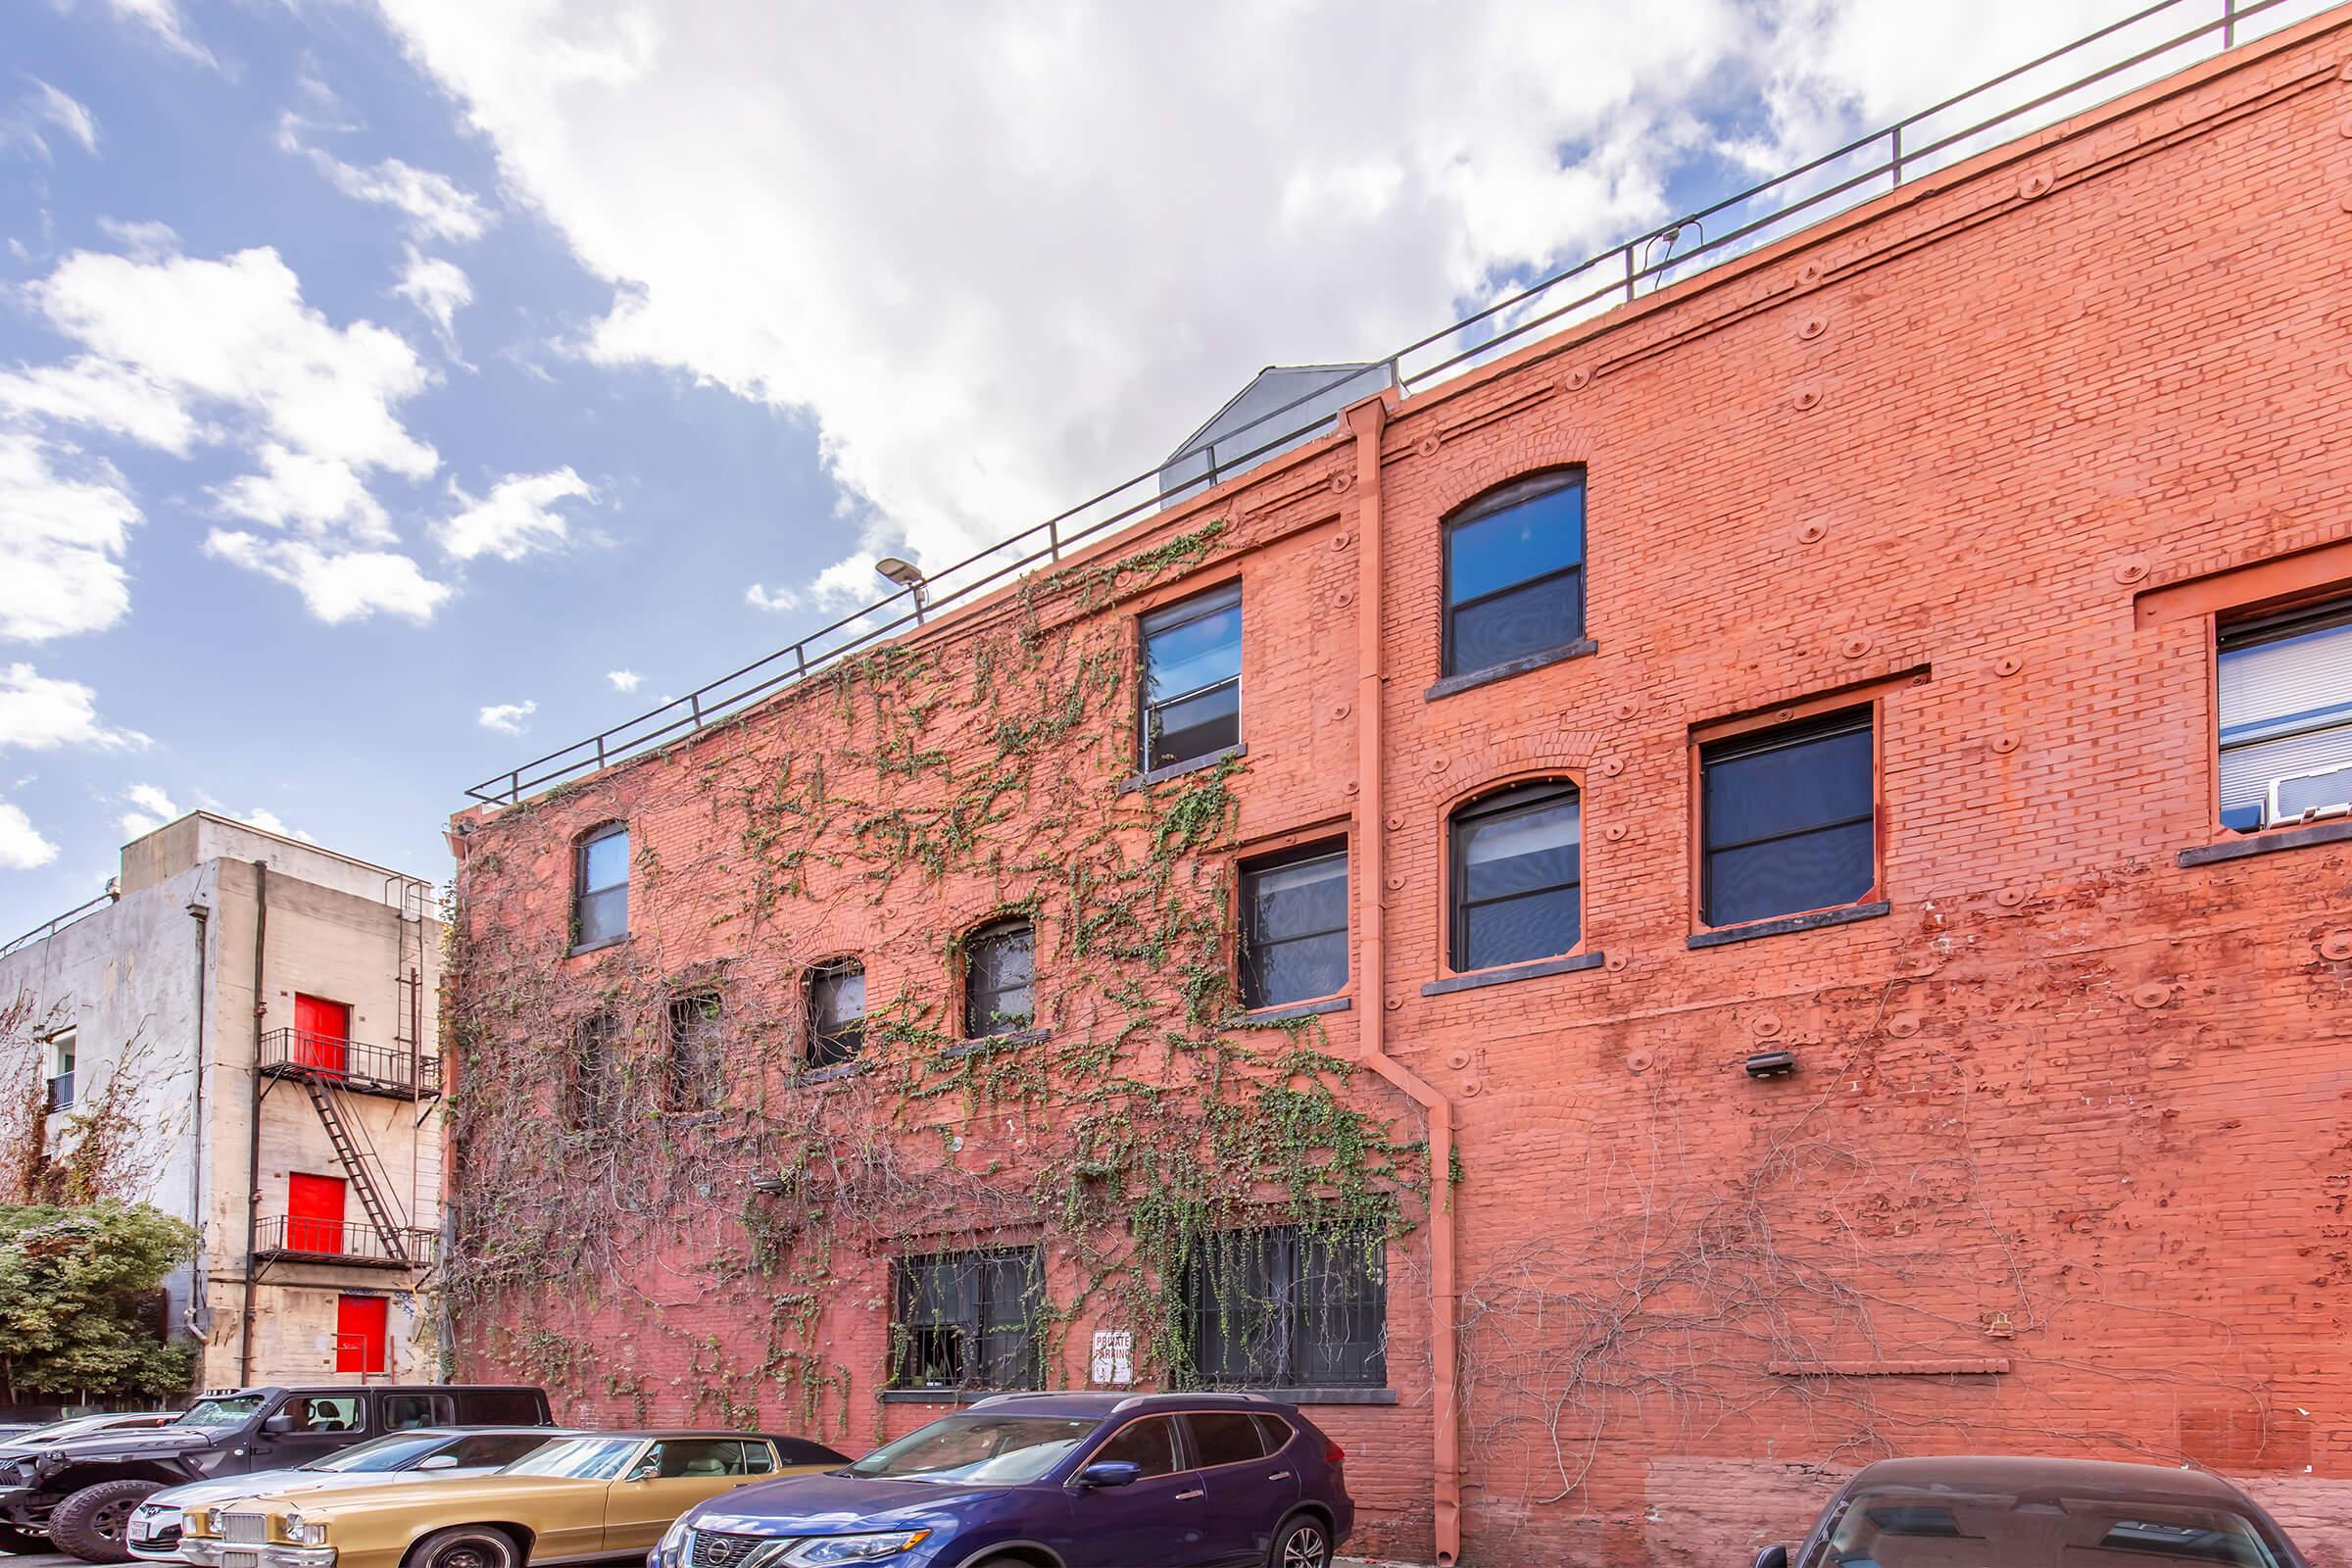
{"points": [[1366, 421], [253, 1153], [197, 1287]]}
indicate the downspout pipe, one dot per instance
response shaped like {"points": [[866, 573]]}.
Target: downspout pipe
{"points": [[194, 1317], [1367, 421], [253, 1153]]}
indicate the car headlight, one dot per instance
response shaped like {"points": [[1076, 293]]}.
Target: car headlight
{"points": [[674, 1539], [208, 1519], [306, 1531], [826, 1549]]}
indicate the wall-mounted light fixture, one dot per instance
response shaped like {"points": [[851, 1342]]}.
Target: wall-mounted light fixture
{"points": [[1771, 1064], [906, 574]]}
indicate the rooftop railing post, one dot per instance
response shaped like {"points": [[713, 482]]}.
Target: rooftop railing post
{"points": [[1897, 136], [2229, 24], [1628, 275], [1053, 538], [693, 701]]}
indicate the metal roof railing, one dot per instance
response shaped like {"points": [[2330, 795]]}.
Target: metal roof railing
{"points": [[50, 928], [2144, 46]]}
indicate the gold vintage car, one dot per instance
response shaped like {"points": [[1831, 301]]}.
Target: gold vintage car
{"points": [[597, 1494]]}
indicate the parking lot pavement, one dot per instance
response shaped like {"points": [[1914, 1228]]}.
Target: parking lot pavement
{"points": [[43, 1559]]}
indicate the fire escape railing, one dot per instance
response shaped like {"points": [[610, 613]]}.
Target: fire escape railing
{"points": [[355, 1244], [352, 1066]]}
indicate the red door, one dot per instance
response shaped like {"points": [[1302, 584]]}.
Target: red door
{"points": [[314, 1214], [321, 1033], [362, 1324]]}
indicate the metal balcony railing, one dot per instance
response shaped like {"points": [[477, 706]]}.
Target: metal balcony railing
{"points": [[300, 1239], [350, 1064], [2144, 46]]}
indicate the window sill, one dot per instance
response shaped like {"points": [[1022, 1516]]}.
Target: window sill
{"points": [[1161, 776], [1266, 1017], [987, 1042], [941, 1395], [691, 1119], [582, 948], [834, 1073], [1517, 971], [1517, 666], [1787, 923], [1318, 1396], [2270, 842]]}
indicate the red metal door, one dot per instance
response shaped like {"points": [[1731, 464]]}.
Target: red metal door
{"points": [[314, 1214], [321, 1033], [362, 1329]]}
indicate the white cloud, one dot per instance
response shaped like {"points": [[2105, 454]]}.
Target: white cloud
{"points": [[102, 394], [519, 515], [269, 822], [507, 717], [21, 849], [39, 713], [337, 585], [145, 238], [45, 106], [153, 809], [435, 205], [162, 19], [62, 541], [439, 290], [761, 597], [624, 680]]}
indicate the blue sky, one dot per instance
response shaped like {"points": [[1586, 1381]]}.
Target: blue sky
{"points": [[392, 392]]}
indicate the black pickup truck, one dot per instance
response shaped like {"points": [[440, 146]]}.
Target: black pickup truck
{"points": [[76, 1496]]}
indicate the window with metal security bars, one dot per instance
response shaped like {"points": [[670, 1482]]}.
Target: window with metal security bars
{"points": [[1790, 819], [836, 1013], [1516, 861], [1293, 943], [691, 1078], [1191, 679], [968, 1320], [1515, 572], [592, 1083], [601, 907], [1288, 1307], [1000, 978], [2284, 685]]}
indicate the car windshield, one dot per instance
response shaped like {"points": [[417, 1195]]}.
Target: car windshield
{"points": [[396, 1453], [581, 1458], [229, 1411], [998, 1449], [1913, 1527]]}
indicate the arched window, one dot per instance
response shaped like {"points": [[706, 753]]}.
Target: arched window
{"points": [[601, 911], [1515, 573], [1518, 880], [1000, 972], [591, 1081], [836, 1013]]}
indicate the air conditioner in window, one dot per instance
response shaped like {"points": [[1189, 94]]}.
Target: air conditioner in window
{"points": [[2312, 797]]}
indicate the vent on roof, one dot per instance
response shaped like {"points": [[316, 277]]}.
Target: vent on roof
{"points": [[1285, 406]]}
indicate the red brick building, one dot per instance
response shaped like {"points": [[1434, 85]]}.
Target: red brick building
{"points": [[1761, 792]]}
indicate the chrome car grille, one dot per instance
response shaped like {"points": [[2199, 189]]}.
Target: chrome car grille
{"points": [[715, 1548], [245, 1528]]}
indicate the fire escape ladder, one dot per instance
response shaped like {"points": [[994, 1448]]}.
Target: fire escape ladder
{"points": [[347, 1150]]}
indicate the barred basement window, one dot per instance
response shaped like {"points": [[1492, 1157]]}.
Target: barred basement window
{"points": [[968, 1320], [1790, 820], [836, 1013], [1518, 882], [691, 1072], [999, 973], [1192, 682], [590, 1084], [1289, 1309], [1515, 572], [2285, 692], [1295, 925], [601, 913]]}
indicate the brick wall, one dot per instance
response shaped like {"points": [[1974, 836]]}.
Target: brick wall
{"points": [[2064, 1161]]}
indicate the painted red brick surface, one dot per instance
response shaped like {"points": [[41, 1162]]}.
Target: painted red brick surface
{"points": [[2064, 1162]]}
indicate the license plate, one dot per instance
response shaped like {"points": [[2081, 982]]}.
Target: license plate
{"points": [[240, 1559], [139, 1534]]}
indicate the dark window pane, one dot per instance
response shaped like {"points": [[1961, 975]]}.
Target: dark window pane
{"points": [[605, 862], [1342, 1339], [1520, 929], [1279, 1308], [1275, 1431], [1295, 930], [1196, 727], [836, 1013], [1199, 652], [1533, 539], [694, 1053], [589, 1088], [1809, 782], [968, 1319], [1008, 1291], [605, 915], [1817, 870], [1516, 624], [1000, 971], [1242, 1308], [1295, 971], [1224, 1437], [1150, 1445]]}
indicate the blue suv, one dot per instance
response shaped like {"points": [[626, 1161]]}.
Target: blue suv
{"points": [[1050, 1481]]}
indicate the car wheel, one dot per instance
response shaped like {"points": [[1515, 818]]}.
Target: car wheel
{"points": [[466, 1546], [90, 1523], [17, 1540], [1301, 1542]]}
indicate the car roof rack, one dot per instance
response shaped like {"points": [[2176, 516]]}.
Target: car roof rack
{"points": [[1135, 1399]]}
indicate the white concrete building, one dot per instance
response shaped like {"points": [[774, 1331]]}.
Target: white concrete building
{"points": [[252, 1019]]}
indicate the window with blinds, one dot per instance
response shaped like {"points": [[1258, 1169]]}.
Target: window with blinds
{"points": [[2285, 717]]}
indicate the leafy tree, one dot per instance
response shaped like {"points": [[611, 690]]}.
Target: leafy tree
{"points": [[72, 1282]]}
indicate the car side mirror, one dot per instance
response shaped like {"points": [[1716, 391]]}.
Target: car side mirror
{"points": [[439, 1461], [1110, 1473], [279, 1425], [1773, 1558], [645, 1472]]}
